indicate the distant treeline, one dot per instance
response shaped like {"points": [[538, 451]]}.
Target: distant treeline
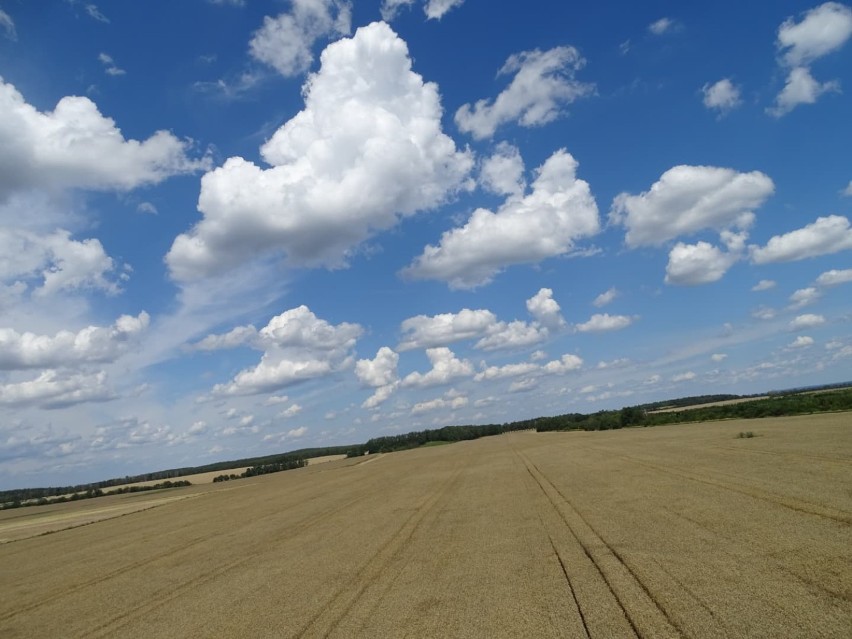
{"points": [[24, 494], [91, 493], [265, 469], [391, 443], [774, 406]]}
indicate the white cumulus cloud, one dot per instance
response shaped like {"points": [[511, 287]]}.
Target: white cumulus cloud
{"points": [[701, 263], [53, 389], [688, 199], [366, 150], [834, 277], [801, 88], [603, 322], [446, 367], [606, 297], [543, 85], [724, 96], [808, 320], [763, 285], [503, 171], [804, 297], [297, 346], [825, 236], [285, 42], [545, 223], [822, 30], [423, 331], [74, 146], [802, 341], [68, 348], [545, 309]]}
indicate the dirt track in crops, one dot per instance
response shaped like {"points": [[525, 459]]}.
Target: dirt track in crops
{"points": [[676, 531]]}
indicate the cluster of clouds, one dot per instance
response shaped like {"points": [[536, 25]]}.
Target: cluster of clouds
{"points": [[821, 31]]}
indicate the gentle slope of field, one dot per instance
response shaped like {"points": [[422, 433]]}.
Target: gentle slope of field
{"points": [[678, 531]]}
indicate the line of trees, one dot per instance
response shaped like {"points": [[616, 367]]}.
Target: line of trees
{"points": [[265, 469], [90, 493]]}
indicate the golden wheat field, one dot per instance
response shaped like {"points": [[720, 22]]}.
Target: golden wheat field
{"points": [[676, 531]]}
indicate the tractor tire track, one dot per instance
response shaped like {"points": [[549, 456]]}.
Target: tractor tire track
{"points": [[334, 611], [656, 621]]}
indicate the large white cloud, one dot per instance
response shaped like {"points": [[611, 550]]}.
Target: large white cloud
{"points": [[808, 320], [297, 346], [824, 236], [822, 30], [446, 367], [544, 84], [67, 348], [424, 331], [545, 223], [366, 149], [688, 199], [74, 146], [54, 262], [509, 335], [285, 42], [53, 389]]}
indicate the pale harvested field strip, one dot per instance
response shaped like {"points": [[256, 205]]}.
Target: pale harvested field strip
{"points": [[529, 534]]}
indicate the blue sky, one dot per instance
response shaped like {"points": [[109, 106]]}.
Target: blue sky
{"points": [[232, 228]]}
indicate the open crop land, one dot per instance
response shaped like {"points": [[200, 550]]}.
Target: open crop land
{"points": [[674, 531]]}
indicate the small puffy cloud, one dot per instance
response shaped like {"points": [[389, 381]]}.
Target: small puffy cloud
{"points": [[8, 25], [604, 322], [110, 68], [802, 341], [74, 146], [801, 88], [424, 331], [379, 371], [663, 25], [390, 8], [684, 377], [198, 427], [503, 171], [60, 263], [92, 344], [544, 84], [523, 385], [298, 346], [834, 277], [804, 297], [294, 433], [694, 264], [808, 320], [825, 236], [763, 313], [565, 364], [366, 150], [290, 411], [537, 356], [719, 357], [502, 372], [446, 367], [822, 30], [53, 389], [763, 285], [724, 96], [545, 223], [508, 335], [606, 297], [285, 42], [545, 309], [688, 199]]}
